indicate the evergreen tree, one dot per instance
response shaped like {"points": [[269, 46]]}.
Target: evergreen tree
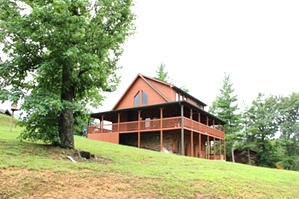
{"points": [[226, 107], [161, 74], [247, 141], [184, 88]]}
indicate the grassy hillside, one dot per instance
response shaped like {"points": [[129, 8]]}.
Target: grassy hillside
{"points": [[30, 170]]}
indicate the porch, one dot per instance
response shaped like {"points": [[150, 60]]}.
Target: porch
{"points": [[161, 124], [194, 132]]}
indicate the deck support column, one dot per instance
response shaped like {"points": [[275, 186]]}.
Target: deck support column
{"points": [[224, 150], [191, 141], [207, 122], [199, 145], [118, 122], [208, 156], [182, 131], [138, 142], [161, 129], [102, 124], [199, 138], [214, 150], [199, 117], [220, 148], [192, 144]]}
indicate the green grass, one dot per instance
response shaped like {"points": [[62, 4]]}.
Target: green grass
{"points": [[168, 175]]}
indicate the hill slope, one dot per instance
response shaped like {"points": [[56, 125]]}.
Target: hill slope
{"points": [[29, 170]]}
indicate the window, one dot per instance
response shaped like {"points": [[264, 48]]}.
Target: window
{"points": [[140, 96], [137, 99], [144, 98]]}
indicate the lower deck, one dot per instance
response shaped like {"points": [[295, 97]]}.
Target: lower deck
{"points": [[169, 141]]}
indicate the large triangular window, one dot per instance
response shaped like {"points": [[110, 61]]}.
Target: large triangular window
{"points": [[144, 98], [140, 98], [137, 99]]}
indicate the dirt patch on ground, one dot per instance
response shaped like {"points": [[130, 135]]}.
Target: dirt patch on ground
{"points": [[23, 183]]}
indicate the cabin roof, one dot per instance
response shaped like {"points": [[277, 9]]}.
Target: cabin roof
{"points": [[171, 86]]}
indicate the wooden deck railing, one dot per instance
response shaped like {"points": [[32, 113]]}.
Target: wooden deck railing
{"points": [[196, 126], [155, 124]]}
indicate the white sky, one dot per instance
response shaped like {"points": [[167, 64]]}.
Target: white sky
{"points": [[256, 42]]}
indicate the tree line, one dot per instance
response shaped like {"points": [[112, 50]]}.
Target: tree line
{"points": [[269, 127]]}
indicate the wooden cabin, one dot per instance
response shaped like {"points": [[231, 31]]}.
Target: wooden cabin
{"points": [[156, 115]]}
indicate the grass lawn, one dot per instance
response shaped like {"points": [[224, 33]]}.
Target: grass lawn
{"points": [[35, 170]]}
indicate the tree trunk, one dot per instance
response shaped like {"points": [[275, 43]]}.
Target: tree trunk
{"points": [[66, 132], [233, 155], [248, 155]]}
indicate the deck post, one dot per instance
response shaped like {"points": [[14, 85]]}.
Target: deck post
{"points": [[208, 146], [118, 121], [192, 144], [199, 144], [214, 152], [102, 124], [199, 117], [161, 131], [224, 150], [182, 131], [213, 123], [191, 141], [138, 131], [220, 148]]}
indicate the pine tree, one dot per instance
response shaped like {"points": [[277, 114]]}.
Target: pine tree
{"points": [[161, 74], [225, 107]]}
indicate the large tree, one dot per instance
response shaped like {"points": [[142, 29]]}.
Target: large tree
{"points": [[262, 128], [61, 56], [288, 122], [226, 107]]}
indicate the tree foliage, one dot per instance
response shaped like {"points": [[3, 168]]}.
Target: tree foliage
{"points": [[61, 56], [226, 107], [161, 74], [262, 114], [269, 127], [185, 89], [288, 124]]}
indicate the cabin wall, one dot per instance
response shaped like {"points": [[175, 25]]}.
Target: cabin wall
{"points": [[148, 140], [152, 141], [106, 137], [168, 92], [192, 101], [180, 96], [128, 100]]}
